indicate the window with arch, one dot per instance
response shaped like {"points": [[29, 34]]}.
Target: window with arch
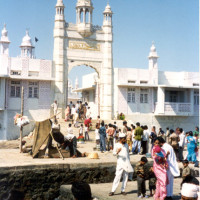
{"points": [[87, 20], [81, 15]]}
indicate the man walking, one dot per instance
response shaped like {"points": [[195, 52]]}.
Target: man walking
{"points": [[124, 167], [138, 138]]}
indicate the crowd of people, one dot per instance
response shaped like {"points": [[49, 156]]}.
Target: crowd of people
{"points": [[165, 162], [164, 147]]}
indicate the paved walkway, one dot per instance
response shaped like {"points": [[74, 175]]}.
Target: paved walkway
{"points": [[102, 190]]}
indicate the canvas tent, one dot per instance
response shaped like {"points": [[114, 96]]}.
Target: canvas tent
{"points": [[41, 135]]}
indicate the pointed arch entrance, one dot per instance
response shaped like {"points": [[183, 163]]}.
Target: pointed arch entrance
{"points": [[84, 44]]}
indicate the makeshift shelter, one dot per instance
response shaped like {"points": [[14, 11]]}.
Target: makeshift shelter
{"points": [[42, 140]]}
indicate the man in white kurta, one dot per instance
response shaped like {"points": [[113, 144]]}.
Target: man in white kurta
{"points": [[173, 169], [55, 107], [124, 167]]}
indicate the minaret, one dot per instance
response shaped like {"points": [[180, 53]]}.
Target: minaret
{"points": [[4, 42], [27, 49], [107, 16], [59, 63], [76, 83], [107, 68], [84, 9], [153, 57], [60, 8]]}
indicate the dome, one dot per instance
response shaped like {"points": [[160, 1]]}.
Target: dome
{"points": [[81, 3], [4, 35], [153, 48], [107, 9], [4, 32], [153, 52], [26, 41], [60, 3]]}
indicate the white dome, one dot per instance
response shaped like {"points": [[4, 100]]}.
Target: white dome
{"points": [[4, 35], [26, 41], [153, 48], [84, 3], [107, 9], [59, 3], [153, 52], [4, 32]]}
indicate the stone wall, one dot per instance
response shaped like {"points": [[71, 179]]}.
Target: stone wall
{"points": [[43, 182]]}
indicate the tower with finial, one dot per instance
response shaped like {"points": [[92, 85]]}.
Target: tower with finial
{"points": [[60, 8], [107, 16], [4, 42], [153, 57], [59, 69], [84, 9]]}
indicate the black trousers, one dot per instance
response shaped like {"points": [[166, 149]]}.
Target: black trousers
{"points": [[144, 147], [180, 154], [141, 186]]}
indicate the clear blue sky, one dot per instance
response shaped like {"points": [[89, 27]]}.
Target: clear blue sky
{"points": [[172, 24]]}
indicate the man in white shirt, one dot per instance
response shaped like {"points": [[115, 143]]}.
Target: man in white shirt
{"points": [[181, 144], [121, 150], [73, 113], [173, 170], [73, 141], [55, 107]]}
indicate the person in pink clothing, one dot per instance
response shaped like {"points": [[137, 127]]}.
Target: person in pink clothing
{"points": [[160, 167]]}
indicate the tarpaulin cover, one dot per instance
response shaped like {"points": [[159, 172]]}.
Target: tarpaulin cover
{"points": [[41, 134]]}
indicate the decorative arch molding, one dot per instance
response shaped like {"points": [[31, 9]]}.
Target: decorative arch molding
{"points": [[95, 65]]}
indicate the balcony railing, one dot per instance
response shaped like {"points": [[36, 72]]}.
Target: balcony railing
{"points": [[175, 109]]}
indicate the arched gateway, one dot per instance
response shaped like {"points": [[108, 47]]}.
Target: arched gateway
{"points": [[84, 44]]}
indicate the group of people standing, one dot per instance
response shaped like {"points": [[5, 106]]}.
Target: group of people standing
{"points": [[160, 176], [75, 112]]}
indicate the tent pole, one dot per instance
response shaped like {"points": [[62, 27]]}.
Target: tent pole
{"points": [[57, 146], [22, 113]]}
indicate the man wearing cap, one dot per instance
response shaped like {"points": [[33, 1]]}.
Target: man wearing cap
{"points": [[124, 167]]}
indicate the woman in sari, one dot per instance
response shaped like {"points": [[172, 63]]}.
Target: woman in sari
{"points": [[191, 146], [160, 166]]}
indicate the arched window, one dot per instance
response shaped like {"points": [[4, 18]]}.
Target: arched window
{"points": [[81, 15], [87, 16]]}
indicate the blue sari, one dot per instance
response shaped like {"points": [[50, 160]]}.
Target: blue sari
{"points": [[191, 157]]}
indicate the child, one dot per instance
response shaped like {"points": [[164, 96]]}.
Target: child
{"points": [[141, 171], [86, 134], [129, 139], [160, 158], [97, 136], [186, 169], [152, 182], [81, 130], [80, 138]]}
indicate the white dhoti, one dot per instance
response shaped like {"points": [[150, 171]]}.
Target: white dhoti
{"points": [[173, 170], [171, 183], [117, 179]]}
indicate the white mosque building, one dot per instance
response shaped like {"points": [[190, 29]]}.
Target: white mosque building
{"points": [[36, 77], [150, 96]]}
